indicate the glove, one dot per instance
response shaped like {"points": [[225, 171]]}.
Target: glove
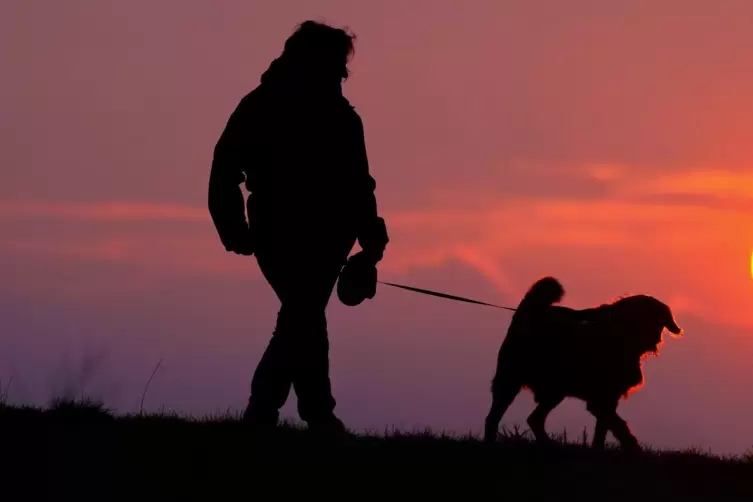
{"points": [[374, 241]]}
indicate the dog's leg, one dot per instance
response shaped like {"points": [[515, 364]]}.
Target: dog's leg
{"points": [[609, 419], [504, 392], [537, 419], [622, 432], [602, 427], [600, 434]]}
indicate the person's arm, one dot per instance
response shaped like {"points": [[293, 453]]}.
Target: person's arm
{"points": [[372, 230], [225, 198]]}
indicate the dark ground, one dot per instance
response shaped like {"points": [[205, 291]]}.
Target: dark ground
{"points": [[81, 452]]}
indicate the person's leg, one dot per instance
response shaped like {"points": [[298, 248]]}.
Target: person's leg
{"points": [[270, 385], [299, 350], [311, 379]]}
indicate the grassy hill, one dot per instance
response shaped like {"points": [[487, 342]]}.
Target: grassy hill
{"points": [[80, 451]]}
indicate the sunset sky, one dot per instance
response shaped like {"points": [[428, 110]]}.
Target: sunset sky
{"points": [[604, 143]]}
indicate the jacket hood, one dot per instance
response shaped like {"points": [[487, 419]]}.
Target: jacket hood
{"points": [[296, 77]]}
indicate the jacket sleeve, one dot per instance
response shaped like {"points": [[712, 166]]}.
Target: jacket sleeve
{"points": [[372, 230], [225, 198]]}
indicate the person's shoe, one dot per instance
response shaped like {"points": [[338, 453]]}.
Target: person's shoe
{"points": [[491, 433], [329, 430], [261, 424]]}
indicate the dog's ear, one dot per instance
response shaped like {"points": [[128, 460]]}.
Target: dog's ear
{"points": [[672, 326]]}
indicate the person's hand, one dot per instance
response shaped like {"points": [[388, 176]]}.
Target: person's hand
{"points": [[358, 279], [373, 256], [374, 240]]}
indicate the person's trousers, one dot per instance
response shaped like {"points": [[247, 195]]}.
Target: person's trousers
{"points": [[297, 356]]}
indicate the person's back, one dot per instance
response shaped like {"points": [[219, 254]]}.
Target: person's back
{"points": [[299, 147]]}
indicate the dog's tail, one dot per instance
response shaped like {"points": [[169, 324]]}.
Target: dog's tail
{"points": [[544, 293]]}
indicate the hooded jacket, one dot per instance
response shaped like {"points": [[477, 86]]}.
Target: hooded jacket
{"points": [[299, 146]]}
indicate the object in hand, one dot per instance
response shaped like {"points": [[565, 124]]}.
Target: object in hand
{"points": [[358, 280]]}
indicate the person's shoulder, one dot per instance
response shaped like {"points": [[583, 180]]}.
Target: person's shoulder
{"points": [[253, 97], [253, 104]]}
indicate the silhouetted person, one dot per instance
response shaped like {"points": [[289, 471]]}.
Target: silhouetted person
{"points": [[298, 145]]}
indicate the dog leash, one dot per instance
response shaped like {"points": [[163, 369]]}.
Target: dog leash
{"points": [[444, 295]]}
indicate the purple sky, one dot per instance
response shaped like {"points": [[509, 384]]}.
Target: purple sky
{"points": [[604, 143]]}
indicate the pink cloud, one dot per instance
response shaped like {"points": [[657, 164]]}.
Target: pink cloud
{"points": [[663, 249], [107, 211], [492, 238]]}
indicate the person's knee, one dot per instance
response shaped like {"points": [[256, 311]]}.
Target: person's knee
{"points": [[303, 311], [297, 317]]}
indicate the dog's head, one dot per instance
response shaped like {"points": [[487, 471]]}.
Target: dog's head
{"points": [[643, 319]]}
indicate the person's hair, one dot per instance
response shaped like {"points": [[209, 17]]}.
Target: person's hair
{"points": [[321, 46]]}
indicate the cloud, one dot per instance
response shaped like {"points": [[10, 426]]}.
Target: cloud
{"points": [[106, 211], [658, 235], [720, 183], [653, 234]]}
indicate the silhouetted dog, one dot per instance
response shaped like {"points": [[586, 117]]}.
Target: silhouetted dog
{"points": [[593, 354]]}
